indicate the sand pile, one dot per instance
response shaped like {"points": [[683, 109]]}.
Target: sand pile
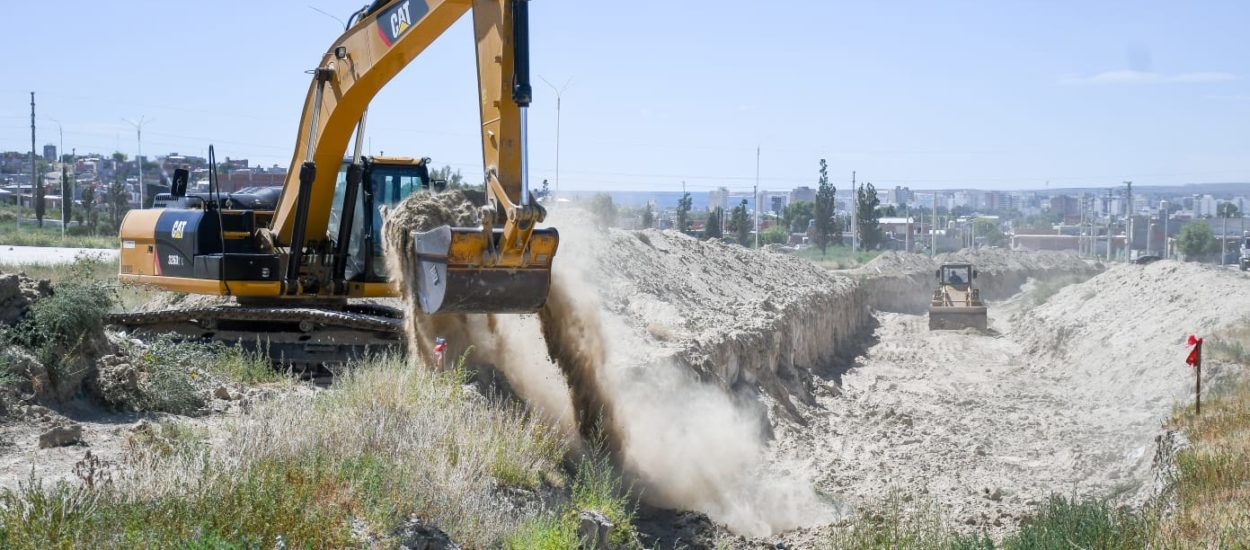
{"points": [[1118, 339], [735, 316]]}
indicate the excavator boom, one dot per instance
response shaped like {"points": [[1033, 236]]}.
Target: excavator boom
{"points": [[491, 264]]}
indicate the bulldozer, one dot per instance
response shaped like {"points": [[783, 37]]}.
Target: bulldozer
{"points": [[300, 264], [956, 303]]}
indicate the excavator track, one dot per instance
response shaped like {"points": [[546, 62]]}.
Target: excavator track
{"points": [[311, 341]]}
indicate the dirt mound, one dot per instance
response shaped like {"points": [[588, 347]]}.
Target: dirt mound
{"points": [[1122, 334], [17, 293]]}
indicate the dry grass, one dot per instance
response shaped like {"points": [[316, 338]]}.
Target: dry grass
{"points": [[50, 235], [1212, 488], [311, 468], [88, 269]]}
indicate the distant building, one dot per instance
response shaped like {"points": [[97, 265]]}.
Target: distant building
{"points": [[777, 203], [960, 198], [1205, 206], [803, 193], [899, 196], [717, 198], [49, 152], [1065, 206]]}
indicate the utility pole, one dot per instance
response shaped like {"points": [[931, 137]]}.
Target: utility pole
{"points": [[1224, 233], [933, 228], [1080, 240], [139, 158], [34, 168], [907, 236], [1110, 218], [854, 215], [1164, 212], [1128, 222], [60, 131], [757, 196], [73, 183], [559, 92]]}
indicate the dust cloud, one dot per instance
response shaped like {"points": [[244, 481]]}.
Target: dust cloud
{"points": [[685, 443]]}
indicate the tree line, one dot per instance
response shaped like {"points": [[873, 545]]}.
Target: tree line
{"points": [[819, 220]]}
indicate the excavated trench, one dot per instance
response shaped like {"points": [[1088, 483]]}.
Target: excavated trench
{"points": [[687, 356]]}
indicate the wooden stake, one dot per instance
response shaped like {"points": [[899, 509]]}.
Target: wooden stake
{"points": [[1198, 382]]}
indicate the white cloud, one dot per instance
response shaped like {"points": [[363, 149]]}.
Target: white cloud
{"points": [[1126, 76]]}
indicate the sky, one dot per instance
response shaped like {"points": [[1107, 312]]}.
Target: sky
{"points": [[955, 94]]}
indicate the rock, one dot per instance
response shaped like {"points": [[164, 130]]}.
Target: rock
{"points": [[61, 436], [118, 382], [418, 535], [37, 412], [593, 529], [222, 392]]}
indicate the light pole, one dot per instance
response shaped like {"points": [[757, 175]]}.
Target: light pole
{"points": [[60, 151], [559, 92], [1128, 221], [756, 200], [139, 158]]}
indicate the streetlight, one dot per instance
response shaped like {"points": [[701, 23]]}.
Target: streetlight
{"points": [[139, 158], [559, 92]]}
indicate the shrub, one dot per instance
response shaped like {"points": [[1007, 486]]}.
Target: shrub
{"points": [[1069, 523], [66, 327]]}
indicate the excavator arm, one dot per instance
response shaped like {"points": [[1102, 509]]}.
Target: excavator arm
{"points": [[486, 268]]}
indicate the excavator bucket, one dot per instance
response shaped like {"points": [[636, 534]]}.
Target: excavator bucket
{"points": [[958, 317], [459, 272]]}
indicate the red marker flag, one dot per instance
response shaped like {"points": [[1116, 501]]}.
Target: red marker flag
{"points": [[1194, 354]]}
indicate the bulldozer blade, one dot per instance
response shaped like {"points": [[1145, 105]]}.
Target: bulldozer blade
{"points": [[956, 318], [452, 276]]}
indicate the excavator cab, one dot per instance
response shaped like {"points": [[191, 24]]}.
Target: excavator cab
{"points": [[386, 181]]}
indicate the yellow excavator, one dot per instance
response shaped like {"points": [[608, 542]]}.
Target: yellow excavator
{"points": [[293, 262]]}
